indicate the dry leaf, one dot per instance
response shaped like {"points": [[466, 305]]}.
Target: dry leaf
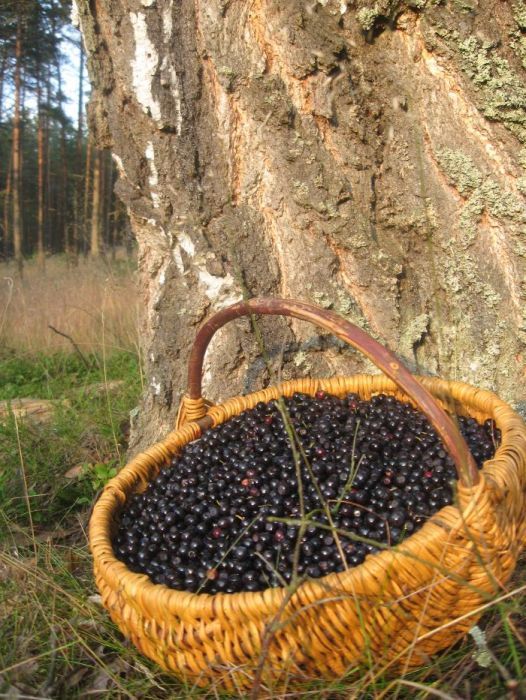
{"points": [[96, 599], [101, 388], [104, 678], [75, 472]]}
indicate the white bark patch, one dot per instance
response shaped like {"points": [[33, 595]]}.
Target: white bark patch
{"points": [[75, 20], [153, 178], [161, 280], [220, 290], [156, 386], [186, 244], [148, 3], [212, 284], [178, 260], [170, 79], [167, 20], [118, 162], [144, 66]]}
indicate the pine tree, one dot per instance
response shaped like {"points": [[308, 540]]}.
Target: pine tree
{"points": [[17, 147], [45, 171]]}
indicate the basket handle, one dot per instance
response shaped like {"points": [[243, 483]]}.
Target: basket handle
{"points": [[383, 358]]}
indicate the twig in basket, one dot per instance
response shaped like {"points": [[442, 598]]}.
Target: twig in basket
{"points": [[352, 471], [234, 543], [274, 571]]}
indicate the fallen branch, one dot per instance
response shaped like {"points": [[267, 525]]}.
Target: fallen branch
{"points": [[75, 346]]}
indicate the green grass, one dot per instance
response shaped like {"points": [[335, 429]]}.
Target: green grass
{"points": [[56, 376], [90, 421], [56, 641]]}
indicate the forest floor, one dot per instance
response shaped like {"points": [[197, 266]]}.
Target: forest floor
{"points": [[56, 640]]}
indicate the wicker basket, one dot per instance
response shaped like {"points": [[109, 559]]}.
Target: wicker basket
{"points": [[397, 608]]}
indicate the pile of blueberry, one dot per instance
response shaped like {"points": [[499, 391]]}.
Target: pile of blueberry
{"points": [[225, 515]]}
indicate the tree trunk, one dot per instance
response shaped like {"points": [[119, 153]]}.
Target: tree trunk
{"points": [[7, 235], [3, 66], [96, 207], [62, 199], [108, 198], [40, 178], [87, 183], [366, 157], [50, 241], [77, 193], [104, 205], [17, 154]]}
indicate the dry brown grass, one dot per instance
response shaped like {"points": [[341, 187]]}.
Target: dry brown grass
{"points": [[95, 303]]}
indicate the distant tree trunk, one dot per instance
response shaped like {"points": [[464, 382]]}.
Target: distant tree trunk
{"points": [[6, 167], [102, 200], [77, 193], [108, 196], [63, 200], [41, 259], [115, 221], [8, 206], [87, 183], [17, 155], [369, 157], [3, 65], [96, 206], [50, 228]]}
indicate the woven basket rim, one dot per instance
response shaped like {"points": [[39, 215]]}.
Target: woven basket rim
{"points": [[435, 530]]}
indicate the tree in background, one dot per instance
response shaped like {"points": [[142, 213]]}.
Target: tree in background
{"points": [[366, 156], [17, 139], [43, 161]]}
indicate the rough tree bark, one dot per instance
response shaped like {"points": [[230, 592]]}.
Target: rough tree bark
{"points": [[369, 157]]}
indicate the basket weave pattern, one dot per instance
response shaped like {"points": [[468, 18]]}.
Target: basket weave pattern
{"points": [[398, 607]]}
